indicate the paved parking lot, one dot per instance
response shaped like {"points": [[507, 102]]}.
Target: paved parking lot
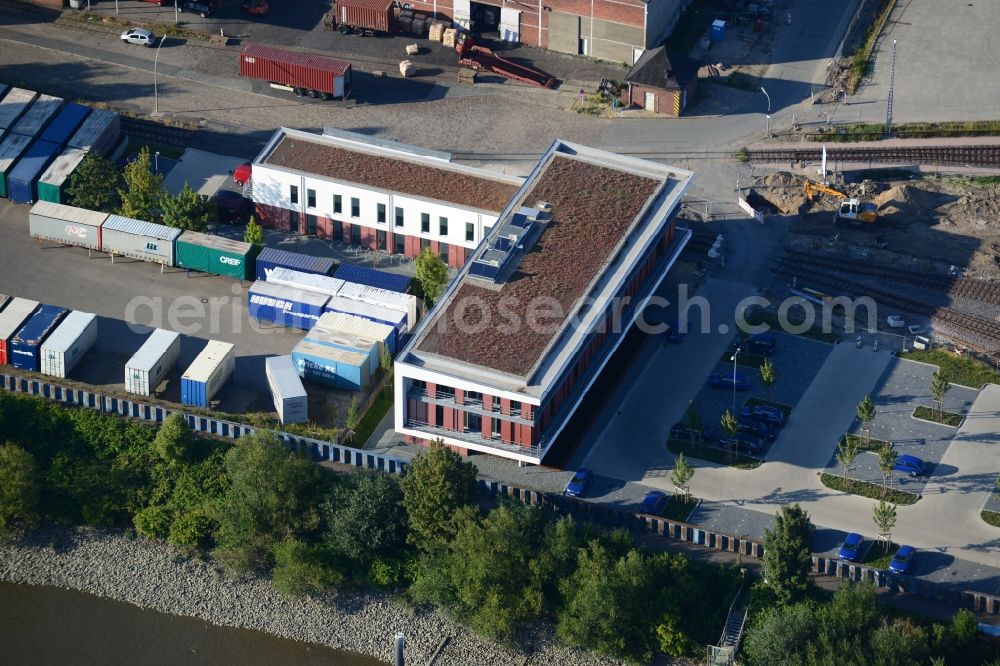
{"points": [[903, 387]]}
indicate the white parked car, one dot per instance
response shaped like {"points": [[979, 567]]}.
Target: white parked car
{"points": [[139, 36]]}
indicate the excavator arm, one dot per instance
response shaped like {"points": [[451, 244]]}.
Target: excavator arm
{"points": [[811, 189]]}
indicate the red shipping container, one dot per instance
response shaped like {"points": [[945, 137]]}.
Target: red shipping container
{"points": [[303, 73], [367, 14]]}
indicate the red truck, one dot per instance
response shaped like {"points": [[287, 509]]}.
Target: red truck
{"points": [[363, 16], [300, 73]]}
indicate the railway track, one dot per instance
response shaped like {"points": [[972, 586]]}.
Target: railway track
{"points": [[980, 155]]}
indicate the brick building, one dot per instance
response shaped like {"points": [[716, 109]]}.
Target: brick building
{"points": [[504, 358], [662, 81], [380, 195]]}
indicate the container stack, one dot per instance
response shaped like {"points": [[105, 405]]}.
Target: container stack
{"points": [[99, 132], [372, 349], [147, 368], [323, 284], [285, 306], [388, 300], [372, 277], [287, 392], [208, 373], [68, 344], [365, 328], [395, 319], [11, 320], [271, 258]]}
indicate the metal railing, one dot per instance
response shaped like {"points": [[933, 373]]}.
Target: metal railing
{"points": [[476, 437], [474, 405]]}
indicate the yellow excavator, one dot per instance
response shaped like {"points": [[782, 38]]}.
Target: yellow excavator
{"points": [[855, 211]]}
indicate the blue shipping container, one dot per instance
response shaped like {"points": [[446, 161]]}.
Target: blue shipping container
{"points": [[26, 346], [271, 258], [334, 367], [285, 306], [23, 180], [347, 342], [65, 124], [372, 278]]}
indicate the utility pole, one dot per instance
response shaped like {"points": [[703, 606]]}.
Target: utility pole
{"points": [[888, 106], [156, 94], [768, 110]]}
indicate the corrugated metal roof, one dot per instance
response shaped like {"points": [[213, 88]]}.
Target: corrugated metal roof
{"points": [[63, 166], [65, 124], [282, 369], [34, 119], [14, 103], [92, 128], [330, 353], [11, 149], [153, 349], [289, 293], [14, 315], [69, 213], [295, 260], [376, 296], [311, 281], [362, 309], [346, 323], [69, 330], [140, 228], [372, 278], [40, 323], [211, 357], [359, 343], [215, 242], [32, 161], [332, 65]]}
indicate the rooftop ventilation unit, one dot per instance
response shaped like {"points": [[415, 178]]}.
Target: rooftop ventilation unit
{"points": [[516, 235]]}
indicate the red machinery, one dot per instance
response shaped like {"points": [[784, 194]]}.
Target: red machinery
{"points": [[472, 55]]}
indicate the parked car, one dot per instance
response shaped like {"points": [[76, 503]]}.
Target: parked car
{"points": [[902, 560], [908, 464], [766, 413], [202, 9], [743, 442], [686, 432], [761, 344], [851, 550], [763, 430], [579, 484], [256, 7], [730, 380], [654, 502], [139, 36]]}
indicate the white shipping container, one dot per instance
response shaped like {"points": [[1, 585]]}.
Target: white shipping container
{"points": [[209, 372], [287, 391], [67, 225], [147, 368], [385, 298], [138, 239], [14, 104], [377, 313], [62, 167], [11, 149], [37, 117], [68, 343], [14, 315], [323, 284], [339, 322], [98, 133]]}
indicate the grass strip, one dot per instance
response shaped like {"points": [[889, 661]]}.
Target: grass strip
{"points": [[956, 369], [991, 517], [712, 454], [865, 489], [944, 418]]}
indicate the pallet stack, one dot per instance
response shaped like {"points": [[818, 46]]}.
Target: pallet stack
{"points": [[436, 31], [448, 37], [407, 68]]}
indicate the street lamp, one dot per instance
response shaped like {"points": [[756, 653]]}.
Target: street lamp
{"points": [[156, 95], [768, 115], [735, 354], [156, 162], [176, 15]]}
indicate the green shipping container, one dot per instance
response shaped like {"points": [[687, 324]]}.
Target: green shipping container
{"points": [[54, 182], [214, 254]]}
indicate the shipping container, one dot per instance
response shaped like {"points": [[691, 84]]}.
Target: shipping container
{"points": [[66, 225], [353, 343], [25, 347], [11, 149], [285, 306], [13, 106], [3, 90], [373, 278], [4, 300], [353, 325], [287, 392], [22, 181], [301, 73], [98, 133], [41, 113], [385, 298], [215, 254], [375, 313], [11, 320], [208, 373], [331, 366], [68, 343], [52, 184], [157, 356], [271, 258], [361, 15], [139, 240], [65, 124], [323, 284]]}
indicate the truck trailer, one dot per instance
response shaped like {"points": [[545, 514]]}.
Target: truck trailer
{"points": [[300, 73], [363, 17]]}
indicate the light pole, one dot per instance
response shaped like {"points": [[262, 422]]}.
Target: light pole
{"points": [[176, 16], [156, 94], [156, 162], [768, 115], [735, 354]]}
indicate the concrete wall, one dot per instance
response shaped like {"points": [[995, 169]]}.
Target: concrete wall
{"points": [[661, 17]]}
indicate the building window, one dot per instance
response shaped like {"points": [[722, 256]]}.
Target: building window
{"points": [[496, 428], [399, 241], [424, 243], [338, 231], [380, 239], [355, 234], [420, 384], [338, 204], [293, 221], [355, 207], [470, 232], [399, 216], [473, 422], [448, 391], [443, 226], [443, 252], [311, 198], [515, 407], [311, 225], [425, 223], [473, 396], [381, 213], [293, 193]]}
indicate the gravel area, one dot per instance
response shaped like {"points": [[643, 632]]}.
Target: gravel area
{"points": [[151, 575]]}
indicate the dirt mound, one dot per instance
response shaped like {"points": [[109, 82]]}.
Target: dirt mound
{"points": [[904, 201], [780, 179], [980, 209], [783, 190]]}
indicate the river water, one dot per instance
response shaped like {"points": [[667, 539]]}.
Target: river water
{"points": [[50, 625]]}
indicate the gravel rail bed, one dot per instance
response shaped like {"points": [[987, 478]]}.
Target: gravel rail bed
{"points": [[151, 575]]}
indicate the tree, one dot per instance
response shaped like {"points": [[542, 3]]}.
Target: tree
{"points": [[254, 234], [174, 439], [365, 519], [94, 183], [298, 569], [768, 375], [847, 453], [730, 426], [143, 189], [939, 387], [886, 462], [787, 554], [432, 274], [351, 422], [692, 419], [884, 516], [188, 210], [682, 474], [780, 636], [435, 484], [385, 359], [19, 485], [866, 414]]}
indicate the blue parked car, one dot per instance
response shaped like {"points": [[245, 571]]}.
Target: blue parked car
{"points": [[730, 380], [851, 550], [654, 502], [579, 484], [908, 464], [902, 560]]}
